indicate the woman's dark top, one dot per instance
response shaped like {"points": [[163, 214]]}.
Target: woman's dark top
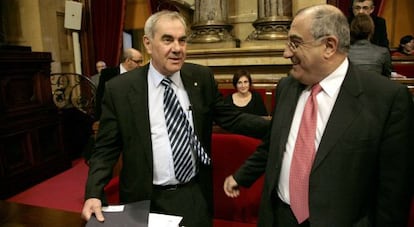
{"points": [[255, 106]]}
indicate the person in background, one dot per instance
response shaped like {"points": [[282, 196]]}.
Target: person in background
{"points": [[340, 150], [130, 59], [145, 111], [406, 46], [245, 99], [380, 36], [363, 53], [99, 66]]}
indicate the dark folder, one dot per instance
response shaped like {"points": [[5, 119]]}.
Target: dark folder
{"points": [[134, 214]]}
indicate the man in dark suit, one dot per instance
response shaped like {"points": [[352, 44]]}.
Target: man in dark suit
{"points": [[133, 121], [100, 65], [361, 154], [131, 59], [380, 36]]}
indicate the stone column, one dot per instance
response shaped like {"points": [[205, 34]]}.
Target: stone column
{"points": [[210, 22], [274, 18]]}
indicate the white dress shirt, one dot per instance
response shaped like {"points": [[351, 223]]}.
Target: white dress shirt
{"points": [[161, 148], [326, 100]]}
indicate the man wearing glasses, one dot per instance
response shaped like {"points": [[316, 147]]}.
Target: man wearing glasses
{"points": [[367, 7], [340, 149], [131, 59]]}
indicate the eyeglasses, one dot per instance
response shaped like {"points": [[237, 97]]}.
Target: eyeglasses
{"points": [[295, 44], [139, 62], [364, 8]]}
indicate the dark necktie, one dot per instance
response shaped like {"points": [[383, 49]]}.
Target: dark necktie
{"points": [[303, 156], [182, 137]]}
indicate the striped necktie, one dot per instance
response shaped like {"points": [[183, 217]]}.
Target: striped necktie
{"points": [[182, 137]]}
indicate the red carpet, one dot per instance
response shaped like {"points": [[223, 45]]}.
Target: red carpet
{"points": [[64, 191]]}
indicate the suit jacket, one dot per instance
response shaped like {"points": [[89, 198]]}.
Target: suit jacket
{"points": [[380, 36], [106, 75], [371, 57], [362, 174], [125, 126]]}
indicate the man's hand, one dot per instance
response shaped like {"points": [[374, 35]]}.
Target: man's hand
{"points": [[92, 206], [231, 188]]}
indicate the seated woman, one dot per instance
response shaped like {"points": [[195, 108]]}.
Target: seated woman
{"points": [[244, 98], [406, 47], [362, 52]]}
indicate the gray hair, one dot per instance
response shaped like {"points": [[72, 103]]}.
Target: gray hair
{"points": [[127, 54], [150, 24], [329, 20]]}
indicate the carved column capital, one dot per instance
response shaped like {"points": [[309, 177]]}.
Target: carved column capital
{"points": [[274, 18], [210, 22]]}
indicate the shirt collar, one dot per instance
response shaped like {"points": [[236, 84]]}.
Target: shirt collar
{"points": [[122, 69], [333, 81], [158, 77]]}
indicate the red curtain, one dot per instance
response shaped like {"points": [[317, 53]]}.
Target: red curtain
{"points": [[108, 23]]}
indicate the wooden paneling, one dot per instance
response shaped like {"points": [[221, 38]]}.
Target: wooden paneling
{"points": [[30, 131]]}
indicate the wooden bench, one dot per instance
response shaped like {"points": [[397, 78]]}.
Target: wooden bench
{"points": [[403, 65], [409, 82], [266, 88]]}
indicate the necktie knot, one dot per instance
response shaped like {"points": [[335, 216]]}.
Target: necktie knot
{"points": [[316, 88], [166, 82]]}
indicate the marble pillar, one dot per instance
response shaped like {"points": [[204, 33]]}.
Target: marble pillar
{"points": [[274, 18], [210, 22]]}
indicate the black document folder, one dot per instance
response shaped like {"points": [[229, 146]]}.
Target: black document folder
{"points": [[134, 214]]}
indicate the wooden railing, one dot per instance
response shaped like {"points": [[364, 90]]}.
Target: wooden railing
{"points": [[403, 65], [266, 88], [409, 82], [71, 90]]}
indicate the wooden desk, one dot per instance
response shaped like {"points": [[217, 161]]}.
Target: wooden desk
{"points": [[21, 215]]}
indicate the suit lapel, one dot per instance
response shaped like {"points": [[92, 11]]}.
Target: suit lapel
{"points": [[191, 85], [138, 99], [346, 108], [285, 110]]}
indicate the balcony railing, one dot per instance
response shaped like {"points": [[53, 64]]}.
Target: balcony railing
{"points": [[72, 90]]}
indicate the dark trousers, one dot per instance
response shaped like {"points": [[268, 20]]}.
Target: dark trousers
{"points": [[186, 201], [285, 217]]}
